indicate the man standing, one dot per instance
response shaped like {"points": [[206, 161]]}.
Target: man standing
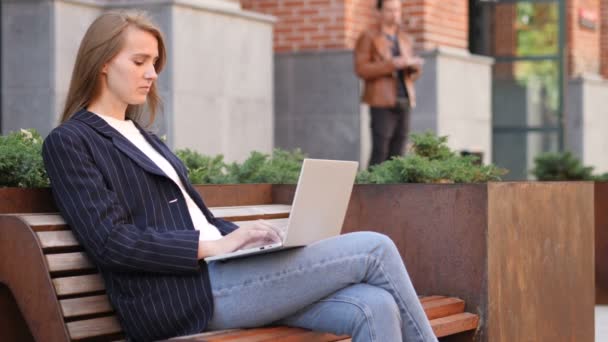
{"points": [[384, 59]]}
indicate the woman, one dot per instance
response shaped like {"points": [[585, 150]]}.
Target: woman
{"points": [[129, 202]]}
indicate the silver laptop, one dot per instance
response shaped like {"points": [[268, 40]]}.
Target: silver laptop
{"points": [[318, 207]]}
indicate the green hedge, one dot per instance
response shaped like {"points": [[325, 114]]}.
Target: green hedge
{"points": [[430, 161], [562, 167], [21, 160]]}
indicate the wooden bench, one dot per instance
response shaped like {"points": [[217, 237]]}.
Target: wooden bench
{"points": [[61, 295]]}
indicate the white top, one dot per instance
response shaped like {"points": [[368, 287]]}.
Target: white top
{"points": [[129, 131]]}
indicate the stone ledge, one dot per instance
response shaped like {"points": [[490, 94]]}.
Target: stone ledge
{"points": [[229, 8], [458, 54]]}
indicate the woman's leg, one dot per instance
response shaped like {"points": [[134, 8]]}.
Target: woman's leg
{"points": [[260, 290], [365, 312]]}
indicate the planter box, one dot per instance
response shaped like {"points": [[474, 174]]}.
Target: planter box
{"points": [[519, 254], [601, 243]]}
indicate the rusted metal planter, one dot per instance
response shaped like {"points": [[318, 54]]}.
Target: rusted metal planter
{"points": [[519, 254], [601, 243]]}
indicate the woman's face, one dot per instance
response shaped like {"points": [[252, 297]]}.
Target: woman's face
{"points": [[130, 74]]}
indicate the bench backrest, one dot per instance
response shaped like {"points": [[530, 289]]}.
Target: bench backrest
{"points": [[79, 291]]}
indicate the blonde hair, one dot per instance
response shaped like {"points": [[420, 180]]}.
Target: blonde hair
{"points": [[103, 41]]}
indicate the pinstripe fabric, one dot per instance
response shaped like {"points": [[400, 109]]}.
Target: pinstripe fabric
{"points": [[119, 205]]}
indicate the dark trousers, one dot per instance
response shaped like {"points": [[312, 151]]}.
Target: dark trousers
{"points": [[390, 128]]}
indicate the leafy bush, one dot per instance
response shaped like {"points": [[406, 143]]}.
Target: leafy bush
{"points": [[563, 166], [431, 161], [21, 160], [203, 169], [282, 167]]}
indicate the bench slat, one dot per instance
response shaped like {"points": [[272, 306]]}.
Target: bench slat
{"points": [[93, 327], [430, 298], [57, 239], [69, 262], [45, 222], [85, 306], [54, 221], [66, 239], [308, 336], [443, 326], [285, 334], [443, 307], [252, 212], [78, 284], [454, 324]]}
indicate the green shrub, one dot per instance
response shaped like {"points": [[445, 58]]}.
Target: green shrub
{"points": [[282, 167], [203, 169], [431, 161], [21, 160], [430, 146], [601, 178], [561, 167]]}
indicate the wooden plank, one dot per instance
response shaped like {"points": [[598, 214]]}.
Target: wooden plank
{"points": [[57, 240], [53, 240], [252, 212], [285, 334], [308, 336], [85, 306], [69, 262], [78, 284], [54, 221], [454, 324], [280, 222], [44, 222], [443, 307], [430, 298], [95, 327], [204, 335], [252, 335]]}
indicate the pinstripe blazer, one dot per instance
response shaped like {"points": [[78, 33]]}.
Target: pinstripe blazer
{"points": [[122, 209]]}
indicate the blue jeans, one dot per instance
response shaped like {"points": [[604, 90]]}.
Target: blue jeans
{"points": [[354, 284]]}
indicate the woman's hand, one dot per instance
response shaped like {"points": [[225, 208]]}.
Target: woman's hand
{"points": [[258, 233]]}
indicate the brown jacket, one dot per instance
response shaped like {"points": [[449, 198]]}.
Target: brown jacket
{"points": [[373, 63]]}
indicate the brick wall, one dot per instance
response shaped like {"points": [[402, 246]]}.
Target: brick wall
{"points": [[504, 19], [317, 25], [360, 14], [604, 38], [305, 25], [583, 43], [438, 22]]}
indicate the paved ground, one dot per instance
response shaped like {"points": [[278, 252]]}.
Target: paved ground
{"points": [[601, 323]]}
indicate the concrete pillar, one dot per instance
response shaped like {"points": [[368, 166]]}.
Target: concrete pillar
{"points": [[587, 120], [217, 87]]}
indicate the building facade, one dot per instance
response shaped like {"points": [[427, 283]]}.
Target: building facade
{"points": [[509, 79]]}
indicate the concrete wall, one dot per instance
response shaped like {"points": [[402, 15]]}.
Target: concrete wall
{"points": [[28, 75], [217, 87], [71, 21], [317, 104], [454, 98], [222, 81], [318, 107], [587, 120]]}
